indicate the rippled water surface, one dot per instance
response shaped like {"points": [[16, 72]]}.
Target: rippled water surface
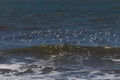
{"points": [[46, 39]]}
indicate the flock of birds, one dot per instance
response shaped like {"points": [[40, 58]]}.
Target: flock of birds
{"points": [[62, 36]]}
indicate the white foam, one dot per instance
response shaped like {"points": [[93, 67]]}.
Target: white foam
{"points": [[107, 47], [106, 77], [57, 75], [50, 76], [74, 78], [116, 60], [11, 66], [94, 72], [28, 77]]}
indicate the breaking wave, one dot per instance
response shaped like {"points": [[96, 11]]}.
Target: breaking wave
{"points": [[54, 62]]}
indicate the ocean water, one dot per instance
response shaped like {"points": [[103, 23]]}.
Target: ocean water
{"points": [[59, 39]]}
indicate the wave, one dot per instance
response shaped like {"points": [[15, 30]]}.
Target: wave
{"points": [[63, 49], [65, 60]]}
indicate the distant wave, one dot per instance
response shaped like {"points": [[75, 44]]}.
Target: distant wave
{"points": [[99, 51]]}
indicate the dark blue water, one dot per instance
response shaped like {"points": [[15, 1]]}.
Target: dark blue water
{"points": [[79, 22], [28, 23]]}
